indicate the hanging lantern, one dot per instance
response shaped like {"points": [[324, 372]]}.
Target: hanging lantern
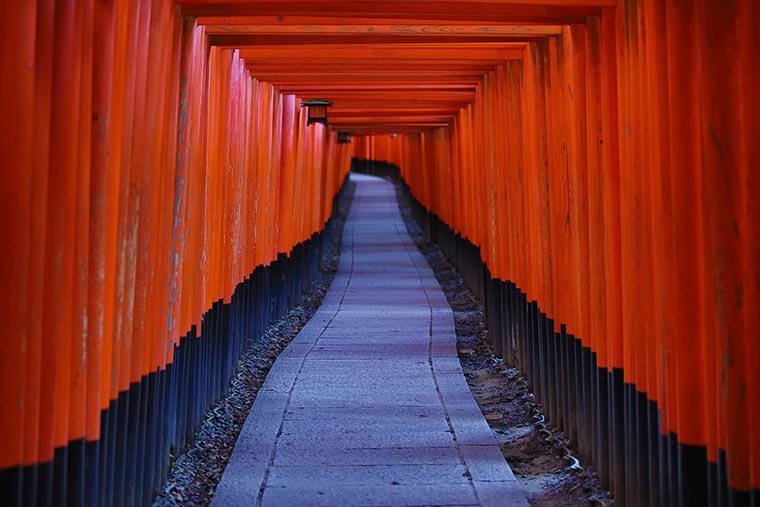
{"points": [[317, 111], [344, 137]]}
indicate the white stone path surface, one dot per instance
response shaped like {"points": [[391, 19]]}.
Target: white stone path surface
{"points": [[368, 405]]}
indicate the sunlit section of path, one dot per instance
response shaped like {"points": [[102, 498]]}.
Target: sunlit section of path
{"points": [[368, 405]]}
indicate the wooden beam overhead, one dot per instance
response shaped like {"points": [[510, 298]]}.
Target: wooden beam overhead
{"points": [[347, 112], [401, 67], [270, 35], [318, 76], [483, 11], [373, 52], [388, 31], [351, 19], [388, 129], [433, 118], [239, 40], [384, 64], [394, 88]]}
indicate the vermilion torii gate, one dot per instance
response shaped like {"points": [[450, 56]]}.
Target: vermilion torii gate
{"points": [[592, 162]]}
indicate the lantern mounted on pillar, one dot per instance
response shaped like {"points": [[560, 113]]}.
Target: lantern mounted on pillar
{"points": [[344, 137], [316, 111]]}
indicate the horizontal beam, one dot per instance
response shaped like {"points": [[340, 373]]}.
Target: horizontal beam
{"points": [[409, 95], [387, 131], [379, 120], [405, 52], [244, 40], [363, 86], [407, 121], [385, 64], [314, 65], [407, 98], [395, 106], [484, 11], [394, 112], [349, 19], [356, 129], [389, 32], [283, 79], [346, 75], [272, 35], [400, 68]]}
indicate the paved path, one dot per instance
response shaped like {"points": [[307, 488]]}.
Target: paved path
{"points": [[368, 405]]}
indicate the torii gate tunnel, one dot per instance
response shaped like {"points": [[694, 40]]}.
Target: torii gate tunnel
{"points": [[590, 165]]}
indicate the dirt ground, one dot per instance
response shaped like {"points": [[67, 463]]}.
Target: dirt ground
{"points": [[539, 455]]}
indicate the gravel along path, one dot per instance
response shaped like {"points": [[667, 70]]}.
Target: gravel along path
{"points": [[535, 450], [194, 475]]}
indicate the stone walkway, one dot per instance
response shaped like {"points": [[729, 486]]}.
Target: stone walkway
{"points": [[368, 405]]}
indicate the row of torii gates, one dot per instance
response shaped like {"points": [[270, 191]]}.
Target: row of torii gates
{"points": [[596, 158]]}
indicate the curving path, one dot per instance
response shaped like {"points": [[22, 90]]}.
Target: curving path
{"points": [[368, 405]]}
